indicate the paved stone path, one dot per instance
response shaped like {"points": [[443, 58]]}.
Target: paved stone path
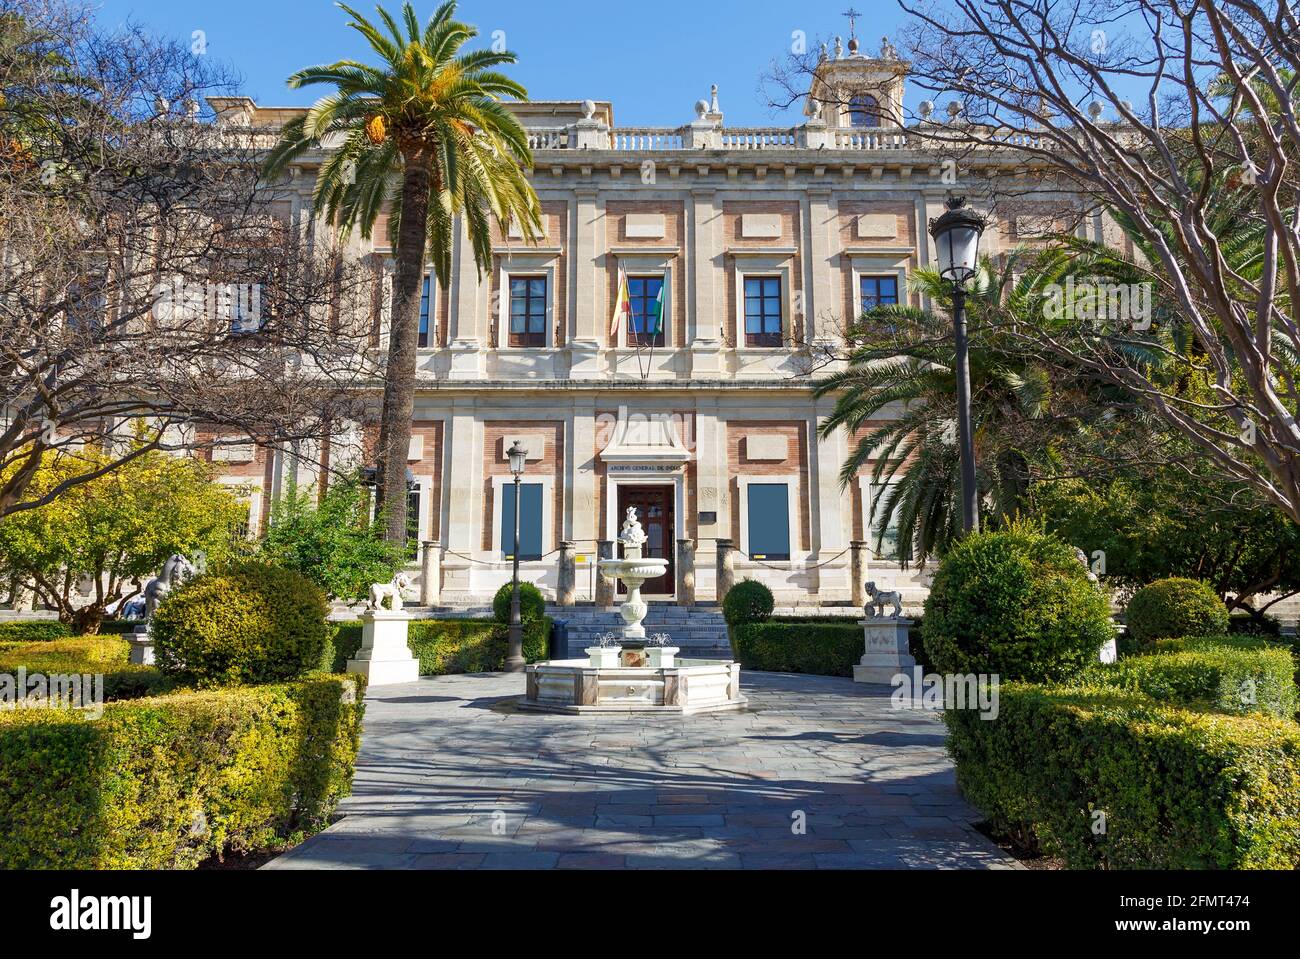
{"points": [[451, 776]]}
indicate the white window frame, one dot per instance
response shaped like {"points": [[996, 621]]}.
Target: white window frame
{"points": [[877, 265], [791, 483], [548, 511], [524, 265], [759, 264], [650, 265]]}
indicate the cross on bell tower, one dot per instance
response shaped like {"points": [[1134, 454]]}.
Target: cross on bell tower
{"points": [[853, 15]]}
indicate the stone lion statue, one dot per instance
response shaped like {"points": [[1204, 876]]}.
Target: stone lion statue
{"points": [[880, 599], [391, 591]]}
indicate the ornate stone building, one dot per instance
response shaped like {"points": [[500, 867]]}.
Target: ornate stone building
{"points": [[759, 243]]}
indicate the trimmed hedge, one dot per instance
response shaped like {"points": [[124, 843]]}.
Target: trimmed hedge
{"points": [[1175, 607], [446, 647], [250, 623], [166, 783], [1216, 674], [1178, 789], [748, 601], [816, 648], [1015, 603], [532, 605], [33, 631], [88, 654]]}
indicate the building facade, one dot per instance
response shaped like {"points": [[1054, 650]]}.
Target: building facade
{"points": [[753, 246]]}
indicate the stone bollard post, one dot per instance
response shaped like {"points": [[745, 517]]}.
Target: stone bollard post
{"points": [[566, 590], [726, 569], [685, 572], [431, 573], [604, 585], [858, 572]]}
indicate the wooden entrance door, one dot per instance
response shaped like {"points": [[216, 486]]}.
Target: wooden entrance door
{"points": [[654, 510]]}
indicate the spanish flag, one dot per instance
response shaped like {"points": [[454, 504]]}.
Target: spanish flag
{"points": [[622, 304]]}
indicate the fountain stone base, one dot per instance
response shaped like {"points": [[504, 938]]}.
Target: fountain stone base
{"points": [[577, 687]]}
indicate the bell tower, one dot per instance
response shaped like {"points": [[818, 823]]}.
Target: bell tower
{"points": [[852, 90]]}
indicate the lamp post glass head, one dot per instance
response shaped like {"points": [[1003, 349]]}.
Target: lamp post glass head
{"points": [[518, 456], [957, 240]]}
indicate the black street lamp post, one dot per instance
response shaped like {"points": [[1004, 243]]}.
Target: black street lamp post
{"points": [[957, 240], [515, 661]]}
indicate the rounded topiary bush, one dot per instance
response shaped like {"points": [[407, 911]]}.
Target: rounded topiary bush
{"points": [[1176, 607], [1015, 603], [532, 605], [250, 623], [747, 602]]}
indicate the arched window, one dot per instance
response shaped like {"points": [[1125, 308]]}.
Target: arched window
{"points": [[864, 111]]}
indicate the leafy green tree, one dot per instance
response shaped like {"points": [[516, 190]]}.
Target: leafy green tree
{"points": [[1157, 524], [334, 543], [100, 542], [427, 133]]}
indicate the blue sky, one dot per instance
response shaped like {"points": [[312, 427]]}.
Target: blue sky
{"points": [[652, 60]]}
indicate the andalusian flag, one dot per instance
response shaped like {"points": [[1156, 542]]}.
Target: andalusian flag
{"points": [[622, 304], [654, 322]]}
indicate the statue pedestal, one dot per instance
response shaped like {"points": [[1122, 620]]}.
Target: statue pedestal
{"points": [[886, 651], [384, 657], [141, 647]]}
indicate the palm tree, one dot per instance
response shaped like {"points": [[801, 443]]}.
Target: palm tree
{"points": [[902, 361], [428, 135]]}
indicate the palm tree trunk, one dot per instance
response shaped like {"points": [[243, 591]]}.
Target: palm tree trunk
{"points": [[403, 345]]}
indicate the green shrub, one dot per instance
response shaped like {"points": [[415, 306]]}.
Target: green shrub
{"points": [[250, 623], [532, 606], [1209, 674], [33, 631], [446, 647], [1014, 603], [1170, 608], [817, 648], [1178, 789], [166, 783], [107, 655], [747, 602]]}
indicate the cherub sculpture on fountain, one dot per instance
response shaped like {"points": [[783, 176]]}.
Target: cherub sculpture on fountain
{"points": [[632, 536]]}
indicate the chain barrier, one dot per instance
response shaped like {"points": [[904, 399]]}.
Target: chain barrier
{"points": [[786, 569]]}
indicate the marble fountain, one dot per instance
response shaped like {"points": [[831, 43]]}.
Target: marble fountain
{"points": [[633, 676]]}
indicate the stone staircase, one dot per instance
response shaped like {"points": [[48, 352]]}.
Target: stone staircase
{"points": [[700, 632]]}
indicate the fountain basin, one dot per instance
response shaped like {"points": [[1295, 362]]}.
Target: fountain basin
{"points": [[577, 687], [639, 569]]}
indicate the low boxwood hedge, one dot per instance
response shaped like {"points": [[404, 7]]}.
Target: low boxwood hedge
{"points": [[33, 631], [108, 655], [168, 782], [1224, 674], [781, 646], [446, 647], [1110, 779]]}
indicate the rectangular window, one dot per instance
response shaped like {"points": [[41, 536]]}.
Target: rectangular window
{"points": [[769, 521], [527, 311], [763, 311], [413, 523], [879, 291], [888, 548], [424, 313], [530, 521], [648, 295]]}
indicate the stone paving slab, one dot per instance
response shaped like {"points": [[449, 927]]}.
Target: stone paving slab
{"points": [[452, 776]]}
